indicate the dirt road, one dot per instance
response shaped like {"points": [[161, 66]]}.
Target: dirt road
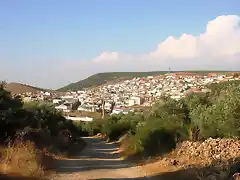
{"points": [[99, 161]]}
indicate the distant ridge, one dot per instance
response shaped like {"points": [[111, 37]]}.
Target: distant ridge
{"points": [[18, 88], [102, 78]]}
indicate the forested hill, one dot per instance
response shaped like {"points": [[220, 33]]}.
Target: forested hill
{"points": [[101, 78]]}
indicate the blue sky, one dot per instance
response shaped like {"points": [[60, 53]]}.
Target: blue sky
{"points": [[53, 32]]}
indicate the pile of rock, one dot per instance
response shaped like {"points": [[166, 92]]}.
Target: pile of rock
{"points": [[211, 149], [222, 155]]}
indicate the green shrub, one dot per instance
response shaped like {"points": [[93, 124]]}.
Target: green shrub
{"points": [[158, 141], [114, 130], [155, 137], [154, 142], [218, 113], [94, 127]]}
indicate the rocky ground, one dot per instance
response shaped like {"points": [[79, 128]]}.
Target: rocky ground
{"points": [[211, 159], [211, 149]]}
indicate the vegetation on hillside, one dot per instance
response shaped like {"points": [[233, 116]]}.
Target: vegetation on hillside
{"points": [[158, 130], [28, 132]]}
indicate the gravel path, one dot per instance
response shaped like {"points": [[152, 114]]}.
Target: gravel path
{"points": [[99, 161]]}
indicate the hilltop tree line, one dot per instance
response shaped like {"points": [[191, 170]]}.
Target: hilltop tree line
{"points": [[196, 117]]}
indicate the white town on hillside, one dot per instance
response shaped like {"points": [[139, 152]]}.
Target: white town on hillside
{"points": [[123, 96]]}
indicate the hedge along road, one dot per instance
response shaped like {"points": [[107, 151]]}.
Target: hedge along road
{"points": [[99, 160]]}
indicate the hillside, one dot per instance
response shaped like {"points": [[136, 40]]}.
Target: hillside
{"points": [[102, 78], [17, 88]]}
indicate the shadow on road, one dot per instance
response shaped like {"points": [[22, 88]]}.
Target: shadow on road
{"points": [[98, 154], [83, 165], [8, 177]]}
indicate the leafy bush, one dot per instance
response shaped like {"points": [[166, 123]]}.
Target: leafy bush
{"points": [[216, 114], [114, 130], [92, 128], [157, 136]]}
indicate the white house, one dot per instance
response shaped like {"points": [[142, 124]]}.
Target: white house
{"points": [[27, 99], [63, 107], [82, 108], [56, 101], [88, 108], [137, 100], [107, 106], [68, 99], [130, 102], [116, 111], [47, 93]]}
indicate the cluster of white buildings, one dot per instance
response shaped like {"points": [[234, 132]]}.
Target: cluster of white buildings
{"points": [[123, 96]]}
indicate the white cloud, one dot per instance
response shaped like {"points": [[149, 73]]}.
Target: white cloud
{"points": [[107, 57], [217, 48], [184, 47], [222, 37]]}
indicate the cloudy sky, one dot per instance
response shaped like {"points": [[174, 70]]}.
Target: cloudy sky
{"points": [[51, 44]]}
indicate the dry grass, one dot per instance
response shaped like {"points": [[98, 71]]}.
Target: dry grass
{"points": [[20, 158], [17, 88]]}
